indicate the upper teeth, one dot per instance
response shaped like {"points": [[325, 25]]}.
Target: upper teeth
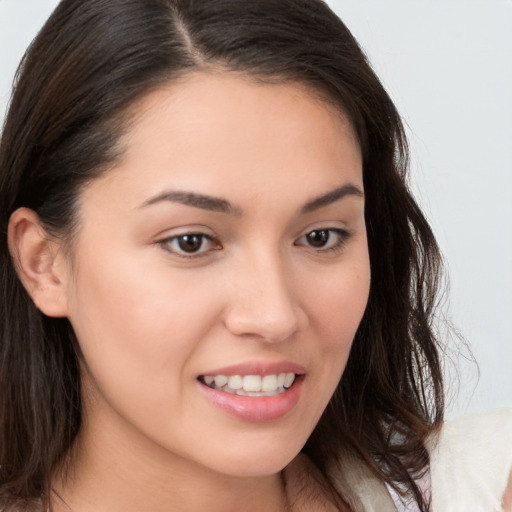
{"points": [[251, 384]]}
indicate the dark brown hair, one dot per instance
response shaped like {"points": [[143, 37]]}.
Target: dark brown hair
{"points": [[91, 61]]}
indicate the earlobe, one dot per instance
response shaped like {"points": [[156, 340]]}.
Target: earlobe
{"points": [[39, 262]]}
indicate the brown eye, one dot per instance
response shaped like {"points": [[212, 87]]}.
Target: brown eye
{"points": [[190, 244], [324, 240], [318, 238]]}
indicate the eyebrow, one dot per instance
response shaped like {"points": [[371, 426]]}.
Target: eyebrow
{"points": [[205, 202], [331, 197], [217, 204]]}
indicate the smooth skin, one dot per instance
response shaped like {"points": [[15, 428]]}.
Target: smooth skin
{"points": [[163, 285]]}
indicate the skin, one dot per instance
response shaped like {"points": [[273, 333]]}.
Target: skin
{"points": [[507, 498], [150, 319]]}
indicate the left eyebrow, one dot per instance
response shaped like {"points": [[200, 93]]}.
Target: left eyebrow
{"points": [[331, 197]]}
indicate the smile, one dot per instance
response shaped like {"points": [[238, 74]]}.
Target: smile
{"points": [[254, 391], [250, 385]]}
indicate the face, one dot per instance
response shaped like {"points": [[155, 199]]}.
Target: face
{"points": [[220, 273]]}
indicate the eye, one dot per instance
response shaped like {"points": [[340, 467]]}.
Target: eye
{"points": [[325, 239], [190, 245]]}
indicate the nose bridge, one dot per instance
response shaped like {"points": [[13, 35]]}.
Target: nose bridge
{"points": [[263, 303]]}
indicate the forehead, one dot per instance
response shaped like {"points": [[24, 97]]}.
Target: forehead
{"points": [[213, 132]]}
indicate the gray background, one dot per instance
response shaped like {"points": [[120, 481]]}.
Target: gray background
{"points": [[447, 66]]}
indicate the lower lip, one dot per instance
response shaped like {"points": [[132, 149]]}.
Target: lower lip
{"points": [[256, 408]]}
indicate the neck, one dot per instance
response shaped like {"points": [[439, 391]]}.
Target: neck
{"points": [[103, 473]]}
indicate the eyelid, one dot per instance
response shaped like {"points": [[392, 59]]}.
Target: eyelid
{"points": [[343, 237], [342, 234], [165, 242]]}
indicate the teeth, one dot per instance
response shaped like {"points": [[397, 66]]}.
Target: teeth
{"points": [[235, 382], [288, 380], [269, 383], [220, 380], [251, 385]]}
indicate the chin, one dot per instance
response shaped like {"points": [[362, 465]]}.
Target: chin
{"points": [[257, 460]]}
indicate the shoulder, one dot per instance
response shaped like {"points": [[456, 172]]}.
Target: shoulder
{"points": [[471, 460]]}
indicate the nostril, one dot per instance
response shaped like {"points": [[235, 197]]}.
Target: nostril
{"points": [[270, 328]]}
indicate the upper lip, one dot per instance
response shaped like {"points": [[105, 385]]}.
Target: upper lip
{"points": [[258, 368]]}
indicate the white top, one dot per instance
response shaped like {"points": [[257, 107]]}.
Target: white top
{"points": [[471, 461]]}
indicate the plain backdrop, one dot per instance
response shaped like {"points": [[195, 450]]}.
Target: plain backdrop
{"points": [[447, 65]]}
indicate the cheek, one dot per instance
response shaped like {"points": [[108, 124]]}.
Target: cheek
{"points": [[336, 309], [338, 305], [138, 334], [142, 320]]}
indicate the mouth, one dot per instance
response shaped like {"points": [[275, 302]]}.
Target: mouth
{"points": [[250, 385], [255, 391]]}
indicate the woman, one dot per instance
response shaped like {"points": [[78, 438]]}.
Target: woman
{"points": [[217, 289]]}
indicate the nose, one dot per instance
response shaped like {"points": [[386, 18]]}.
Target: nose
{"points": [[263, 303]]}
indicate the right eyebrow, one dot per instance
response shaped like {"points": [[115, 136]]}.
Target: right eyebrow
{"points": [[204, 202]]}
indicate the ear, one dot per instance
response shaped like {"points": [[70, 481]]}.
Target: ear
{"points": [[39, 261]]}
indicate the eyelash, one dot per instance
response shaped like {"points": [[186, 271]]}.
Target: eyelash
{"points": [[342, 238], [181, 253]]}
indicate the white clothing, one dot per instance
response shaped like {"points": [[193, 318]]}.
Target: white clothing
{"points": [[470, 464]]}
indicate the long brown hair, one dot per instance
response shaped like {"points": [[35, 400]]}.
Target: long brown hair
{"points": [[91, 61]]}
